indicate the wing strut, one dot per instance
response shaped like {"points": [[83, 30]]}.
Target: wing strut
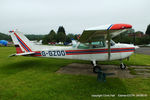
{"points": [[109, 49]]}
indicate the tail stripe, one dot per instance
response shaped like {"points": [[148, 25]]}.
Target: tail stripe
{"points": [[23, 44]]}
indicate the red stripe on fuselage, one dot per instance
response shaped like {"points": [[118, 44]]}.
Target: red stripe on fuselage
{"points": [[98, 52], [105, 51], [98, 49], [38, 53]]}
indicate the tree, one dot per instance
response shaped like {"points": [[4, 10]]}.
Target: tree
{"points": [[61, 35], [61, 29], [45, 39], [148, 30], [4, 37], [52, 36], [69, 37], [34, 37]]}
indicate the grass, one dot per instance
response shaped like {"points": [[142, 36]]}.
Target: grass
{"points": [[28, 78], [132, 71], [136, 59]]}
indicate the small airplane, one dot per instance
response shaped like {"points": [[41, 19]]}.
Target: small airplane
{"points": [[95, 44]]}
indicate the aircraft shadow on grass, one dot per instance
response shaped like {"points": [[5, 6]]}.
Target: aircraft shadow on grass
{"points": [[16, 67]]}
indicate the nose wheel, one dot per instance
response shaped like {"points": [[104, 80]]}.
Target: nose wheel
{"points": [[122, 66]]}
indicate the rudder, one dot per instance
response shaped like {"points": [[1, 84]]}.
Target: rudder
{"points": [[21, 43]]}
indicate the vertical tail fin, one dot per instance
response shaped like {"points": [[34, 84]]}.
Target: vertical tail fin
{"points": [[21, 43]]}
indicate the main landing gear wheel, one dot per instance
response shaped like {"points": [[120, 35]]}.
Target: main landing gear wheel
{"points": [[96, 69], [122, 66]]}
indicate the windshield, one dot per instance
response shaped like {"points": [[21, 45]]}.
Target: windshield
{"points": [[112, 43]]}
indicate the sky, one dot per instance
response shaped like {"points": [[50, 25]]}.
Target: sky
{"points": [[41, 16]]}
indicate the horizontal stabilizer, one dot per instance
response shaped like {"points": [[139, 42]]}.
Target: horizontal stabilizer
{"points": [[23, 54]]}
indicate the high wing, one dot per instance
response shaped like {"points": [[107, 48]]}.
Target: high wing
{"points": [[101, 32]]}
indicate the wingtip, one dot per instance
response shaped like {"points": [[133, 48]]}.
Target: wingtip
{"points": [[120, 26], [11, 31]]}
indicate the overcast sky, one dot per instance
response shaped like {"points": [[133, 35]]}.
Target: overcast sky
{"points": [[40, 16]]}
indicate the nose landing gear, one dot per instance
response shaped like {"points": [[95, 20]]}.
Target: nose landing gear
{"points": [[101, 76], [96, 68]]}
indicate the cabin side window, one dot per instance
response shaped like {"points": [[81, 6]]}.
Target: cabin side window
{"points": [[98, 44], [84, 46]]}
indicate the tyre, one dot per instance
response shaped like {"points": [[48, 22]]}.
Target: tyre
{"points": [[122, 66]]}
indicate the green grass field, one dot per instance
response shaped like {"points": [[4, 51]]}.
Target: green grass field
{"points": [[28, 78]]}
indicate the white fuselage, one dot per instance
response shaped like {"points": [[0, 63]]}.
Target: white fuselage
{"points": [[118, 51]]}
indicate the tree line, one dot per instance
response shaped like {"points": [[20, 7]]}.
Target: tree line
{"points": [[124, 37], [4, 37], [60, 36]]}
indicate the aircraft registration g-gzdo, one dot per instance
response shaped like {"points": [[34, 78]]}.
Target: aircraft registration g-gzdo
{"points": [[95, 44]]}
